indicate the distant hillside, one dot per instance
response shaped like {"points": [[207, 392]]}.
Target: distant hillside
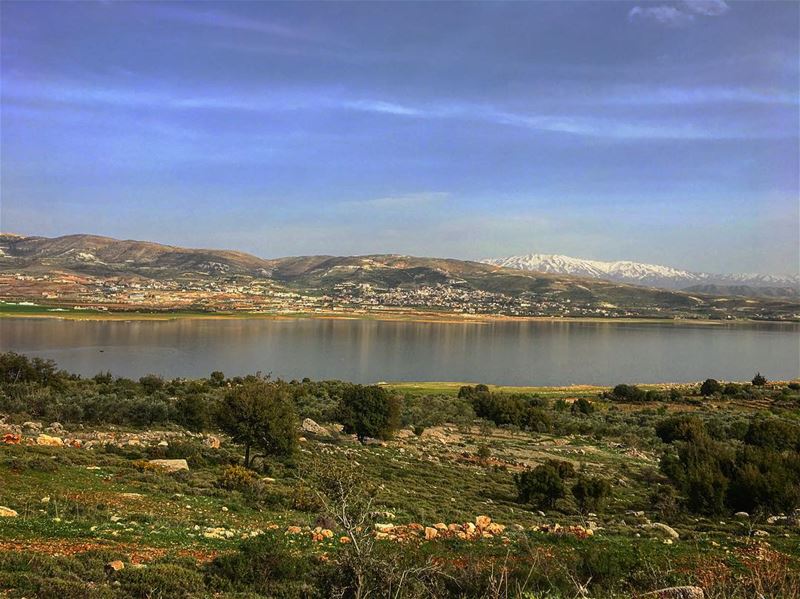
{"points": [[104, 256], [653, 275], [363, 280]]}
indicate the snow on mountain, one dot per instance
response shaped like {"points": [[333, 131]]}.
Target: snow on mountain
{"points": [[637, 273]]}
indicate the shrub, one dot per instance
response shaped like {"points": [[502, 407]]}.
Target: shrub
{"points": [[630, 393], [773, 433], [710, 387], [236, 478], [540, 487], [263, 565], [759, 380], [680, 428], [582, 406], [591, 493], [160, 580]]}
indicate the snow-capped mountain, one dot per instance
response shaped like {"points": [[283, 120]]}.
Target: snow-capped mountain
{"points": [[651, 275]]}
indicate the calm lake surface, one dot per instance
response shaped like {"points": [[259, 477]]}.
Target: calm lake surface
{"points": [[513, 353]]}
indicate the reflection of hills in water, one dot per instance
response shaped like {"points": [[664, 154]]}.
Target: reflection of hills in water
{"points": [[512, 353]]}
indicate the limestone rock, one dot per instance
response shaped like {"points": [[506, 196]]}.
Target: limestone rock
{"points": [[7, 512], [668, 530], [309, 426], [56, 428], [49, 441], [212, 442], [114, 566], [31, 427], [171, 465]]}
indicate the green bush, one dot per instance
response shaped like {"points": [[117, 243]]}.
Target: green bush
{"points": [[540, 487], [591, 493], [369, 411], [710, 387]]}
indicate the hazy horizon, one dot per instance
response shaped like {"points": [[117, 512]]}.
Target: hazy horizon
{"points": [[665, 133]]}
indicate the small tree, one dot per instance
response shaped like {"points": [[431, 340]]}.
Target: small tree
{"points": [[590, 493], [710, 387], [217, 378], [260, 414], [540, 487], [582, 406], [369, 411], [759, 380]]}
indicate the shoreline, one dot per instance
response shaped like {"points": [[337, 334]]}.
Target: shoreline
{"points": [[416, 317]]}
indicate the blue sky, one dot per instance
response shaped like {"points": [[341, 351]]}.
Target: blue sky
{"points": [[664, 132]]}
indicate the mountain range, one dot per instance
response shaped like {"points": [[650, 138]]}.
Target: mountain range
{"points": [[654, 275], [89, 270]]}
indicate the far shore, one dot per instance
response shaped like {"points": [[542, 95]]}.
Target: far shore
{"points": [[390, 316]]}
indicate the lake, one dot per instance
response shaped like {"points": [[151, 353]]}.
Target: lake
{"points": [[512, 353]]}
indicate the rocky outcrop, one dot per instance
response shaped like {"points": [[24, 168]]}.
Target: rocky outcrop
{"points": [[309, 426], [7, 512]]}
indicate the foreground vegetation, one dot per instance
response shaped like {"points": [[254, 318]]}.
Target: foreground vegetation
{"points": [[319, 489]]}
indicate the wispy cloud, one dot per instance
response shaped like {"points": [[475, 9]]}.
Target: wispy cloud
{"points": [[399, 202], [572, 120], [708, 8], [636, 95], [678, 16], [225, 20]]}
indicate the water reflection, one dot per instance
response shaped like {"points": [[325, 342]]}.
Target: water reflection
{"points": [[544, 353]]}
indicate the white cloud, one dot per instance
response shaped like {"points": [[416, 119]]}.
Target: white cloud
{"points": [[707, 8], [678, 16], [663, 15]]}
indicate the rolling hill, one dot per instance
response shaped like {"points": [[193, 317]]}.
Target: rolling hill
{"points": [[381, 279]]}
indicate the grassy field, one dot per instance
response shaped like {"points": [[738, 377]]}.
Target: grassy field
{"points": [[78, 505], [17, 310], [84, 512]]}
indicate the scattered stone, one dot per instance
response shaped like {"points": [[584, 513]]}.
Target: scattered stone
{"points": [[742, 515], [7, 512], [431, 533], [171, 465], [760, 533], [114, 566], [671, 532], [677, 593], [218, 533], [163, 444], [31, 427], [12, 439], [49, 441], [775, 519], [212, 442]]}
